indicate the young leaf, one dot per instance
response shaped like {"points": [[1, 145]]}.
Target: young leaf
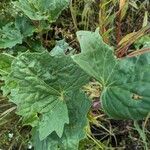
{"points": [[43, 82], [10, 36], [143, 42], [62, 48], [42, 9], [126, 82]]}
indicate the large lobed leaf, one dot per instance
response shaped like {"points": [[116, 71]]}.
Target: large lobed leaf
{"points": [[125, 82], [40, 91], [42, 9]]}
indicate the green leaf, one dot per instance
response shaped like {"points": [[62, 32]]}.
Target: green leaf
{"points": [[125, 82], [16, 50], [25, 26], [43, 82], [78, 106], [46, 144], [62, 48], [58, 114], [5, 69], [5, 63], [10, 36], [143, 42], [42, 9]]}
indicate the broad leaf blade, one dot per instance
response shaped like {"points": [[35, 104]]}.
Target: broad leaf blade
{"points": [[58, 113], [78, 106], [42, 9], [125, 82], [43, 82], [97, 58]]}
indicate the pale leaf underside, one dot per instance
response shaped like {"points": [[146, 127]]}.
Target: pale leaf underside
{"points": [[125, 82]]}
